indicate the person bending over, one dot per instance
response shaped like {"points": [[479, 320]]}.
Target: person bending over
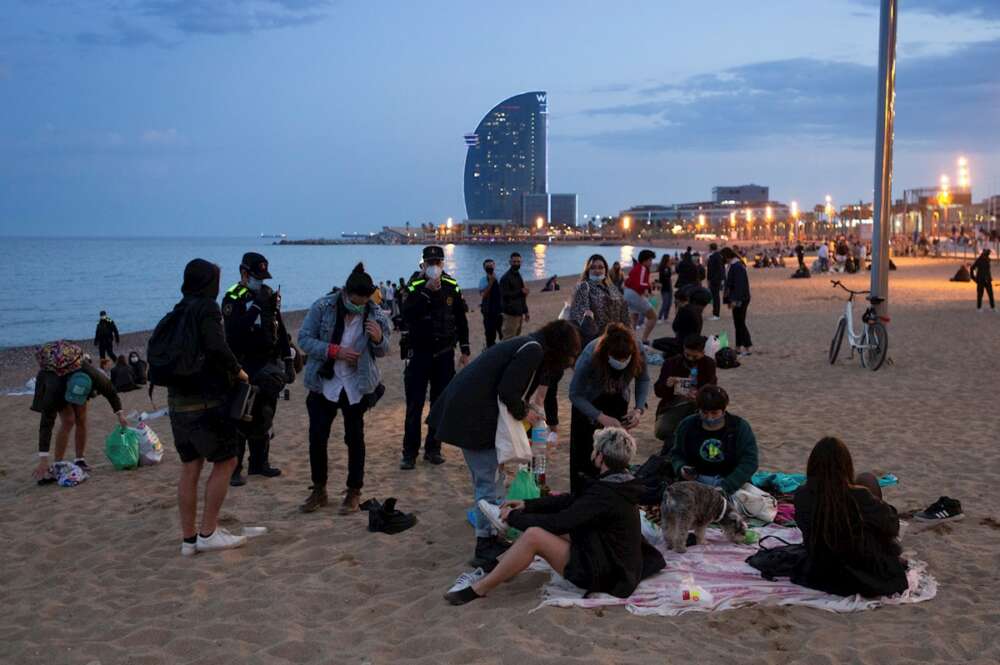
{"points": [[849, 532], [594, 540], [714, 447]]}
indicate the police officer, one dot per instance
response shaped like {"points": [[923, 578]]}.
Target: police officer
{"points": [[434, 315], [257, 336]]}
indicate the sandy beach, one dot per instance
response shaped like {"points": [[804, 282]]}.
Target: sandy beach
{"points": [[92, 575]]}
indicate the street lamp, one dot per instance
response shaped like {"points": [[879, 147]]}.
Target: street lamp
{"points": [[539, 223], [626, 223], [794, 209], [829, 210], [963, 173], [944, 198], [701, 220]]}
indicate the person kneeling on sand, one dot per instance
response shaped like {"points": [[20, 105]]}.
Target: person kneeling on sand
{"points": [[593, 539], [849, 532], [201, 425]]}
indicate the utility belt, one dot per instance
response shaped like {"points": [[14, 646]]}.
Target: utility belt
{"points": [[200, 406]]}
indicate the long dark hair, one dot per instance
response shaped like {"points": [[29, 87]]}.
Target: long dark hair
{"points": [[836, 517], [561, 344], [617, 342], [359, 283]]}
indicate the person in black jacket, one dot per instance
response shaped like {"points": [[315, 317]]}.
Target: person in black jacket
{"points": [[738, 298], [199, 420], [849, 532], [716, 278], [593, 539], [981, 275], [687, 272], [106, 336], [490, 303], [514, 299], [467, 413], [121, 376], [256, 334]]}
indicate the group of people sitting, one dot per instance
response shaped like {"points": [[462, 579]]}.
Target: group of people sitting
{"points": [[592, 534]]}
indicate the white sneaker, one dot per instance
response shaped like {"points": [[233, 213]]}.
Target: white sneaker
{"points": [[492, 513], [188, 549], [467, 579], [713, 318], [220, 540]]}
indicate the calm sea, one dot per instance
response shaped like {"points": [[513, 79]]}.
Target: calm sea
{"points": [[58, 285]]}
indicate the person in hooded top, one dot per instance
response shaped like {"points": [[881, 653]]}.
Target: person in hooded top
{"points": [[199, 418], [593, 539]]}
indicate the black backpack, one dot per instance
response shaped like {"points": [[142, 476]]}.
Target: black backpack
{"points": [[174, 352], [726, 358]]}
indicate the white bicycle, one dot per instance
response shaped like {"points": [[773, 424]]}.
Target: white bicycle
{"points": [[872, 343]]}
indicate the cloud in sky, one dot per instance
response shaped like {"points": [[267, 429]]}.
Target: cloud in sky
{"points": [[122, 33], [817, 100], [232, 16]]}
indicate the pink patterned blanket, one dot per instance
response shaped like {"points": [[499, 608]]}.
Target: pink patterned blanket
{"points": [[719, 567]]}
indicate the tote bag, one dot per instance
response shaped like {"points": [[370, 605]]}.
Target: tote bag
{"points": [[512, 442]]}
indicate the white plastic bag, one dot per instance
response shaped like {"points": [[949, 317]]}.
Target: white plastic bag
{"points": [[712, 346], [564, 312], [512, 441], [755, 502], [150, 447]]}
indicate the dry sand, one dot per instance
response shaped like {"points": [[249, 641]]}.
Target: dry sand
{"points": [[93, 575]]}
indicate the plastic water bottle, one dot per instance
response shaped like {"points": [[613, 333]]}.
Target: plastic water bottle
{"points": [[693, 379], [539, 450]]}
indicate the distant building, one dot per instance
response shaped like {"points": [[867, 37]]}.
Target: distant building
{"points": [[741, 194], [533, 208], [507, 159], [563, 209]]}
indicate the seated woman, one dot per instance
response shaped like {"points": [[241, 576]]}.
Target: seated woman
{"points": [[680, 378], [714, 447], [121, 376], [849, 531], [594, 540]]}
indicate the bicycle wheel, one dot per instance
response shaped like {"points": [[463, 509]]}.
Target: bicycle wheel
{"points": [[876, 346], [838, 339]]}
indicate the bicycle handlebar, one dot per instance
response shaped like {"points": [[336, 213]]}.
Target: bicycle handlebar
{"points": [[836, 282]]}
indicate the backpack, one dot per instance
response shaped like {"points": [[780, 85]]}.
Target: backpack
{"points": [[726, 359], [174, 349], [78, 388]]}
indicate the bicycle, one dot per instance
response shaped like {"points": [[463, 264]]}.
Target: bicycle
{"points": [[872, 343]]}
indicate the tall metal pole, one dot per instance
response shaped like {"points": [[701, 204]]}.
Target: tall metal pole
{"points": [[882, 205]]}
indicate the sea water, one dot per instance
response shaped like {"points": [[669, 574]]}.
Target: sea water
{"points": [[57, 286]]}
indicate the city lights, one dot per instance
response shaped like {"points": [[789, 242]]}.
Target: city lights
{"points": [[963, 173], [539, 223], [626, 223], [794, 209], [701, 220], [449, 223]]}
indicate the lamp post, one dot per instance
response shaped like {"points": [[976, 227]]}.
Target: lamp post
{"points": [[829, 210], [748, 214], [626, 225], [944, 199], [794, 209]]}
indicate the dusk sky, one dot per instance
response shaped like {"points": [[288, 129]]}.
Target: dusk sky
{"points": [[312, 117]]}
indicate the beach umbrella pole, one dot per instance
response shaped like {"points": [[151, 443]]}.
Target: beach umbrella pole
{"points": [[882, 206]]}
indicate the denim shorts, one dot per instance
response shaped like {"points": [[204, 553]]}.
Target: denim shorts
{"points": [[636, 304], [207, 434]]}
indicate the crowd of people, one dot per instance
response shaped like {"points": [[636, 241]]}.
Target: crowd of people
{"points": [[214, 356]]}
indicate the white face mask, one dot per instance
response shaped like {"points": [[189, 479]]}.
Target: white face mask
{"points": [[254, 284], [433, 272], [619, 365]]}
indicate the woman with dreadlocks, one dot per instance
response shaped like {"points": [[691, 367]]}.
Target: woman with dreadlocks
{"points": [[849, 532]]}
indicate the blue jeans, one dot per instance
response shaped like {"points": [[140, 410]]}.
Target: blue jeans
{"points": [[667, 299], [711, 481], [483, 467]]}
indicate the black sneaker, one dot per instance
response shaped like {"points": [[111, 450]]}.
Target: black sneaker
{"points": [[237, 480], [407, 464], [942, 510], [434, 458], [267, 472]]}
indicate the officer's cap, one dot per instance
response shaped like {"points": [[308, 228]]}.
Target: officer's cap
{"points": [[433, 252], [256, 265]]}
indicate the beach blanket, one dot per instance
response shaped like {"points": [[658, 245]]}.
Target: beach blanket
{"points": [[719, 567], [787, 483]]}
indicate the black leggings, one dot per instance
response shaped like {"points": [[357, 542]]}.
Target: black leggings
{"points": [[321, 414], [581, 438], [740, 319]]}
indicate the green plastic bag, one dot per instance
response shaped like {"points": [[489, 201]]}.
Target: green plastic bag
{"points": [[122, 448], [522, 488], [723, 340]]}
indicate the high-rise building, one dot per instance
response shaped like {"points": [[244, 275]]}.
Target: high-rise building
{"points": [[740, 194], [507, 159], [562, 208], [533, 208]]}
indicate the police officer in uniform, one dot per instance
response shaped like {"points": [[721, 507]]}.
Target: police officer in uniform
{"points": [[257, 336], [434, 315]]}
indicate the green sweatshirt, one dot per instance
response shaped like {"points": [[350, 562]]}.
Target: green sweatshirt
{"points": [[729, 453]]}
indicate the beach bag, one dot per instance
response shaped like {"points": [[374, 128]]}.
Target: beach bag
{"points": [[779, 561], [756, 503], [150, 447], [511, 438], [726, 358], [122, 448], [78, 388], [712, 345], [61, 357], [174, 351]]}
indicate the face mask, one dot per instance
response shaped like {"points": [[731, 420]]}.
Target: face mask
{"points": [[489, 270], [254, 284], [516, 267], [690, 362], [596, 276], [713, 422], [352, 308], [433, 272], [619, 365]]}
